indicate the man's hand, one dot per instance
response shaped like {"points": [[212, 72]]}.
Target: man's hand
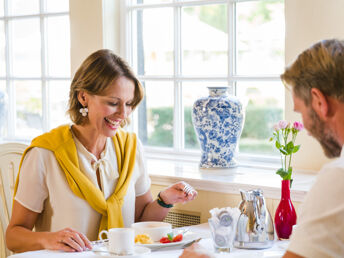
{"points": [[291, 255], [196, 251]]}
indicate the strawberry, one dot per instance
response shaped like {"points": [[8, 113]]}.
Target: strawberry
{"points": [[178, 238], [165, 240]]}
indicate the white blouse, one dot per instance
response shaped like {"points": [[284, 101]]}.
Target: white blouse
{"points": [[43, 188]]}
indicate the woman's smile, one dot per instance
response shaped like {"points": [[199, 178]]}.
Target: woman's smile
{"points": [[112, 124]]}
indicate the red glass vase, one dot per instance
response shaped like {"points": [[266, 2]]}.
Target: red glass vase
{"points": [[285, 216]]}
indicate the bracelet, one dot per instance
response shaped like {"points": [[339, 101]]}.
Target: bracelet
{"points": [[162, 203]]}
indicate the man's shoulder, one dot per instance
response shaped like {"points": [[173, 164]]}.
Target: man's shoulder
{"points": [[333, 166], [329, 181]]}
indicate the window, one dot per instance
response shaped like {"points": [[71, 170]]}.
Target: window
{"points": [[34, 66], [178, 48]]}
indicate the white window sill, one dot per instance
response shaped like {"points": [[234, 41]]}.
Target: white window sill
{"points": [[229, 181]]}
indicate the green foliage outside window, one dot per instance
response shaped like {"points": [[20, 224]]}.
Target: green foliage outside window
{"points": [[254, 137], [257, 128], [216, 15], [259, 121], [191, 141], [162, 121]]}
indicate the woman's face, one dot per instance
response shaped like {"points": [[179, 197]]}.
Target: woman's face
{"points": [[106, 112]]}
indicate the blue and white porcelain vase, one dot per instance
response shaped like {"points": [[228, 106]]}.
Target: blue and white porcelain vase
{"points": [[218, 121]]}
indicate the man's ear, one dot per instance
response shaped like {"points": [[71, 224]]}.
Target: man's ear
{"points": [[82, 97], [320, 104]]}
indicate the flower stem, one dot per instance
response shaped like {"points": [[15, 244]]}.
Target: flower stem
{"points": [[285, 144], [278, 138], [291, 154]]}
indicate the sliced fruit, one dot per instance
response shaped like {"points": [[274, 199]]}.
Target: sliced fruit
{"points": [[165, 240], [178, 238]]}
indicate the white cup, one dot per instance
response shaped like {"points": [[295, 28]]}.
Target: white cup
{"points": [[121, 240]]}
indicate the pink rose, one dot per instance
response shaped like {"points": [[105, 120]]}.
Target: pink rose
{"points": [[276, 127], [283, 124], [298, 126]]}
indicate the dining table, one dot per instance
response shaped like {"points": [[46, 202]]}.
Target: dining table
{"points": [[202, 231]]}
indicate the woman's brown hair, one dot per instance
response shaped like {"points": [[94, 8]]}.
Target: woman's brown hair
{"points": [[95, 75]]}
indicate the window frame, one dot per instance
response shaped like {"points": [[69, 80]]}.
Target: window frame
{"points": [[177, 152], [42, 14]]}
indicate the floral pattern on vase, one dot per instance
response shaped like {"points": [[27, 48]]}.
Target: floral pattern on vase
{"points": [[218, 121]]}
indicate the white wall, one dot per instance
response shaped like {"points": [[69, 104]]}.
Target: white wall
{"points": [[307, 21], [85, 28], [94, 25]]}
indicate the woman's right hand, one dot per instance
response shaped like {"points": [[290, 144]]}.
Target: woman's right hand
{"points": [[21, 238], [67, 240]]}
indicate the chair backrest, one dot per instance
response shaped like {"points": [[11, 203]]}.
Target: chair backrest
{"points": [[10, 155]]}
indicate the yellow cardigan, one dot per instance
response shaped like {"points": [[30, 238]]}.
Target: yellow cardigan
{"points": [[60, 142]]}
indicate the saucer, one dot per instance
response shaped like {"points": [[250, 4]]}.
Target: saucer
{"points": [[103, 251]]}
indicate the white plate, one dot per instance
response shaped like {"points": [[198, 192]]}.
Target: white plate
{"points": [[187, 238], [104, 252]]}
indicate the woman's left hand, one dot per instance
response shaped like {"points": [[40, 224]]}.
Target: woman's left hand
{"points": [[180, 192]]}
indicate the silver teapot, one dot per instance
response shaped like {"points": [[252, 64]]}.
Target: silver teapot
{"points": [[255, 228]]}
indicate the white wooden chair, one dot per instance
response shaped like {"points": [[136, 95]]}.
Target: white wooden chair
{"points": [[10, 155]]}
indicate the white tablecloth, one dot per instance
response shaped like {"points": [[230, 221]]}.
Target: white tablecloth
{"points": [[202, 230]]}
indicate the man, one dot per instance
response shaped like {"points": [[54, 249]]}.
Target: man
{"points": [[316, 79], [317, 82]]}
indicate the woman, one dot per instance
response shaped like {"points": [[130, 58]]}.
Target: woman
{"points": [[82, 178]]}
